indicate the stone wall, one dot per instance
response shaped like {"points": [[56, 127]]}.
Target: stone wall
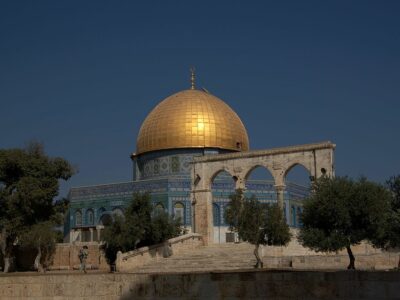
{"points": [[66, 257], [127, 262], [294, 248], [228, 285], [382, 261]]}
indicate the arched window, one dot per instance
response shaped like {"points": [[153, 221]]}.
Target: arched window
{"points": [[179, 211], [118, 212], [105, 219], [89, 217], [78, 218], [159, 208]]}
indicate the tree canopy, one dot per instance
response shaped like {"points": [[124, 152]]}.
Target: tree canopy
{"points": [[257, 223], [394, 186], [391, 237], [140, 226], [341, 212], [29, 181]]}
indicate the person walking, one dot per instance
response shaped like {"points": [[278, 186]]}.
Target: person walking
{"points": [[83, 254]]}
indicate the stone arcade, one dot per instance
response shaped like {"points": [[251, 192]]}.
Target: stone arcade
{"points": [[316, 158]]}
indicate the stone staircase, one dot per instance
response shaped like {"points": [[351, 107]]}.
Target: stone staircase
{"points": [[218, 257]]}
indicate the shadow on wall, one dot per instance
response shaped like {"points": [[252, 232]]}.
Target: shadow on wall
{"points": [[266, 284]]}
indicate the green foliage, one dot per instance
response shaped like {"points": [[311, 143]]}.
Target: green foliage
{"points": [[257, 223], [42, 238], [262, 224], [29, 181], [139, 227], [60, 208], [233, 209], [118, 238], [59, 236], [394, 186], [164, 227], [391, 236], [276, 231], [341, 212]]}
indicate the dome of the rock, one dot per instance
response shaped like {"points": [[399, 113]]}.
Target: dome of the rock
{"points": [[192, 119]]}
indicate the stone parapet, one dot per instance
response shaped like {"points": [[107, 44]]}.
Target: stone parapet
{"points": [[66, 256], [129, 261], [217, 285], [382, 261]]}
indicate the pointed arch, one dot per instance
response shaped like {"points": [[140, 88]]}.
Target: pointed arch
{"points": [[218, 172], [106, 219], [249, 171], [295, 163], [118, 211]]}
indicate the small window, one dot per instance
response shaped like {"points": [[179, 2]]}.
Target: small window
{"points": [[89, 217], [118, 212], [179, 211], [78, 218], [159, 208]]}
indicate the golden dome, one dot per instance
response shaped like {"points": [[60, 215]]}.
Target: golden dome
{"points": [[192, 119]]}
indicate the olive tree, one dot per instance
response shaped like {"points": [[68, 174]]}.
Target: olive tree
{"points": [[140, 226], [29, 182], [341, 213], [257, 223], [390, 240]]}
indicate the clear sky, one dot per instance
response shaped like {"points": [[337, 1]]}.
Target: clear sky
{"points": [[81, 76]]}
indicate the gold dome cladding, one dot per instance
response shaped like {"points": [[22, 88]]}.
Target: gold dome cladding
{"points": [[192, 119]]}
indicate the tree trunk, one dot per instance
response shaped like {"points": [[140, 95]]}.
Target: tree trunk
{"points": [[3, 247], [352, 259], [6, 250], [259, 263], [7, 264], [38, 266], [398, 264]]}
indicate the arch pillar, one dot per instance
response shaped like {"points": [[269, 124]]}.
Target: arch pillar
{"points": [[240, 183], [280, 191], [203, 214], [91, 234]]}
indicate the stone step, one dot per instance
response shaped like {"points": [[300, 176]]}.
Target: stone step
{"points": [[209, 258]]}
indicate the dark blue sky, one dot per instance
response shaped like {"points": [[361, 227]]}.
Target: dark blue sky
{"points": [[81, 76]]}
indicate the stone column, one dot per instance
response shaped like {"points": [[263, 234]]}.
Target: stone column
{"points": [[240, 183], [203, 214], [91, 234], [280, 189], [98, 234]]}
